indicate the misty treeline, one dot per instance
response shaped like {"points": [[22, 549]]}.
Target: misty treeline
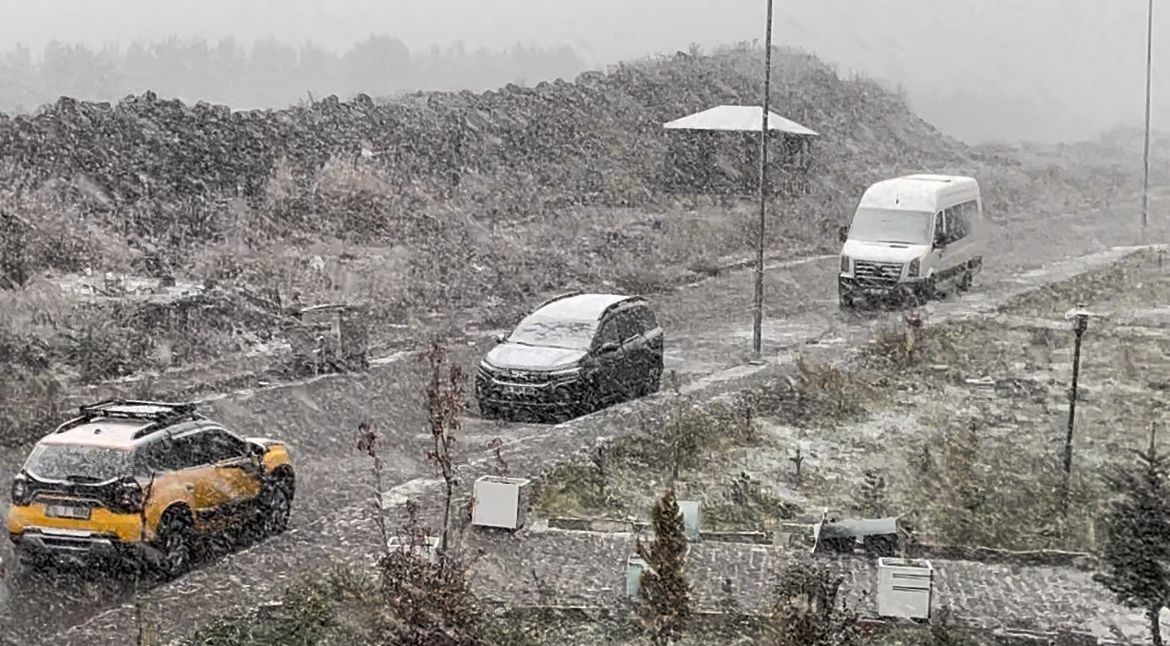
{"points": [[268, 73]]}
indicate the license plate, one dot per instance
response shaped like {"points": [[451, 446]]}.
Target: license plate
{"points": [[66, 511]]}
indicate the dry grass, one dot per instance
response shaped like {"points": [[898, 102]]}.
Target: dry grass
{"points": [[624, 476], [967, 487], [815, 394]]}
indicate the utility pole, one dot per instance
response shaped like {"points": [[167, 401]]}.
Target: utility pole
{"points": [[1080, 319], [757, 327], [1146, 152]]}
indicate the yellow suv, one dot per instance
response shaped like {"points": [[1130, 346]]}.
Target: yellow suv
{"points": [[143, 481]]}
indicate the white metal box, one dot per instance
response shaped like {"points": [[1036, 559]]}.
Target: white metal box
{"points": [[691, 517], [635, 567], [500, 502], [905, 588]]}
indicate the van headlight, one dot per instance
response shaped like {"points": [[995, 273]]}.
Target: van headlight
{"points": [[845, 264], [914, 268]]}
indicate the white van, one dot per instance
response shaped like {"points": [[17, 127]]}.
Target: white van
{"points": [[918, 235]]}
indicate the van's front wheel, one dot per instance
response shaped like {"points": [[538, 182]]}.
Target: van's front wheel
{"points": [[844, 300], [965, 281]]}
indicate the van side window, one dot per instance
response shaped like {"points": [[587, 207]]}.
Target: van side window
{"points": [[960, 219], [954, 224]]}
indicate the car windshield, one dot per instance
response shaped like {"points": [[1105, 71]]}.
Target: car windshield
{"points": [[543, 331], [78, 463], [892, 225]]}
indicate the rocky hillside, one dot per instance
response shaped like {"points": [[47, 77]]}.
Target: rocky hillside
{"points": [[597, 139]]}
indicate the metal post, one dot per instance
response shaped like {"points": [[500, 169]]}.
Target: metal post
{"points": [[1146, 152], [1080, 324], [757, 326]]}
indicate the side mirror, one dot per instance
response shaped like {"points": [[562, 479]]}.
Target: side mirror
{"points": [[257, 450], [940, 240], [499, 338], [842, 233]]}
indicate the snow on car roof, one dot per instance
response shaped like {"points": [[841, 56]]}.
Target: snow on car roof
{"points": [[108, 432], [581, 306]]}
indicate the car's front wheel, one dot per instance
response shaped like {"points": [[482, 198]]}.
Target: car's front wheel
{"points": [[276, 507], [488, 411]]}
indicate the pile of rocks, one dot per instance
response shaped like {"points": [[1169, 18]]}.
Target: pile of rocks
{"points": [[569, 140]]}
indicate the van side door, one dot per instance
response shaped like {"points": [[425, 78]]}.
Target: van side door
{"points": [[960, 235], [938, 249]]}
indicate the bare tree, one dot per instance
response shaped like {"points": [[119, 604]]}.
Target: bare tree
{"points": [[368, 443], [807, 612], [445, 399]]}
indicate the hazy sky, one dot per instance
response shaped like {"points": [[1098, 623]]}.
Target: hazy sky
{"points": [[1082, 61]]}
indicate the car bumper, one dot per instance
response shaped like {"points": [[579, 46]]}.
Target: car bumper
{"points": [[550, 395], [79, 547]]}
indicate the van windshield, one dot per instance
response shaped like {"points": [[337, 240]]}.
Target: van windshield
{"points": [[892, 225]]}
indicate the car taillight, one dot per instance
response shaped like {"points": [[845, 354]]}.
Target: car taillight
{"points": [[19, 490], [129, 496], [913, 269]]}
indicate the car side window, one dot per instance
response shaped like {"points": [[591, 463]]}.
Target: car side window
{"points": [[608, 332], [222, 446], [158, 456], [621, 324], [186, 451], [645, 319]]}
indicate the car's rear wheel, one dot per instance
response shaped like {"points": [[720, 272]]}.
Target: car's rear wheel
{"points": [[176, 542]]}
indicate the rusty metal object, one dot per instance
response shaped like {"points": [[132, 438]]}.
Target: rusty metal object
{"points": [[877, 536], [329, 338]]}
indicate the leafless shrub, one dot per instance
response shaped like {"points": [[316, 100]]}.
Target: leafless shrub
{"points": [[807, 610], [816, 393], [445, 398], [973, 489]]}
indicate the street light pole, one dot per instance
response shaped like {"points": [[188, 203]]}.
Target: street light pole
{"points": [[1080, 323], [1146, 152], [758, 323]]}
